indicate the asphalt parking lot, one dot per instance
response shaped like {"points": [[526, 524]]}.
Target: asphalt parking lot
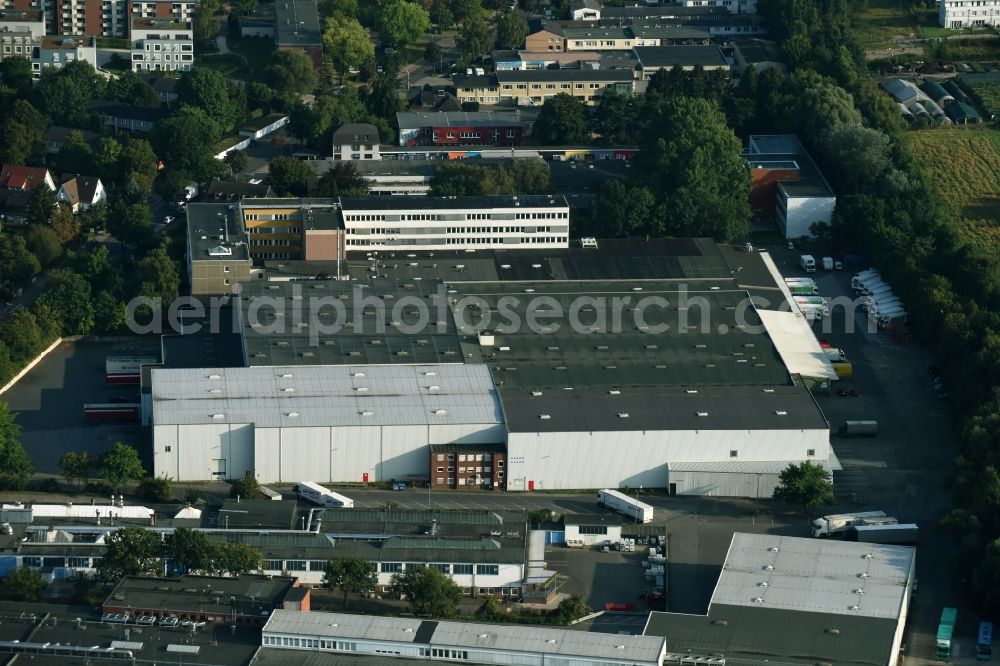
{"points": [[599, 577], [49, 403]]}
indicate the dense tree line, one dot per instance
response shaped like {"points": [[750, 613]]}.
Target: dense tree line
{"points": [[135, 551], [461, 178], [890, 207]]}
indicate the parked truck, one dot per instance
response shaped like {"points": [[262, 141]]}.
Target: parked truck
{"points": [[625, 505], [902, 534], [858, 278], [944, 633], [838, 524], [807, 263], [827, 263], [859, 429], [317, 494]]}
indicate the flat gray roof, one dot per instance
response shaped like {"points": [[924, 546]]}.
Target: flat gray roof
{"points": [[213, 229], [547, 75], [415, 119], [660, 57], [326, 395], [296, 23], [403, 203], [815, 575], [507, 637]]}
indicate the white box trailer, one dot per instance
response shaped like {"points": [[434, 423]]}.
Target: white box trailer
{"points": [[839, 523], [884, 290], [317, 494], [625, 505], [884, 305]]}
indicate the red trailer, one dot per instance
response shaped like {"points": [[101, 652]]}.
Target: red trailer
{"points": [[117, 412]]}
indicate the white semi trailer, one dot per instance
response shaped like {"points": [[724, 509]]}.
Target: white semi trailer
{"points": [[838, 524], [625, 505]]}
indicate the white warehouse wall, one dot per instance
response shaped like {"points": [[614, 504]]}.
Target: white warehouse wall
{"points": [[563, 460], [191, 452], [346, 454], [724, 484]]}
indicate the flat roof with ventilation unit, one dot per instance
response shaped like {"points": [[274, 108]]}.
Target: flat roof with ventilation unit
{"points": [[215, 231]]}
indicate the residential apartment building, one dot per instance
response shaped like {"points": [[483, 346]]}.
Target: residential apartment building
{"points": [[468, 466], [733, 6], [968, 13], [18, 29], [102, 18], [456, 223], [161, 45], [437, 128], [542, 59], [59, 50], [532, 88], [547, 39], [356, 141]]}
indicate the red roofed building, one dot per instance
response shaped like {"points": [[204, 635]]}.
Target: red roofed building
{"points": [[23, 179]]}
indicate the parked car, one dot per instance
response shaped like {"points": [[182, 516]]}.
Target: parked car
{"points": [[169, 621], [145, 619]]}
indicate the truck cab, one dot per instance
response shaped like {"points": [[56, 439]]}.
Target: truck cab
{"points": [[808, 263]]}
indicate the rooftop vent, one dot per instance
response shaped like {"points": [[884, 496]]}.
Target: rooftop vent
{"points": [[433, 387], [772, 549], [366, 412], [780, 412], [358, 375], [218, 416], [758, 600], [292, 415], [691, 391], [623, 415], [288, 389], [768, 390], [544, 417], [536, 393], [440, 412], [702, 413], [215, 377], [720, 623], [614, 392], [361, 389]]}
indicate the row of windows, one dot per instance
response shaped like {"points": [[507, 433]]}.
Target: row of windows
{"points": [[469, 470], [274, 230], [593, 529], [511, 134], [321, 643], [252, 217], [461, 481], [500, 241], [477, 457], [48, 562], [552, 86]]}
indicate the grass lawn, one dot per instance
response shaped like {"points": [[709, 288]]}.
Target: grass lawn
{"points": [[885, 19], [966, 165]]}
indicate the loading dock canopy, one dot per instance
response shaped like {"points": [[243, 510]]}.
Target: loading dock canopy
{"points": [[796, 344]]}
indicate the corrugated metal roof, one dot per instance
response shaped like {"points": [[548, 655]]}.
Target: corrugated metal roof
{"points": [[821, 576], [326, 395], [740, 466]]}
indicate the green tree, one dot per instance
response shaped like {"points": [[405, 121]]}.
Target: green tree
{"points": [[41, 203], [236, 160], [64, 223], [236, 559], [85, 591], [342, 179], [616, 119], [247, 488], [432, 53], [22, 130], [130, 88], [68, 293], [528, 176], [338, 8], [563, 122], [383, 97], [109, 313], [186, 141], [204, 25], [346, 43], [25, 584], [805, 484], [24, 339], [208, 90], [17, 263], [190, 550], [63, 93], [692, 159], [350, 575], [159, 277], [823, 107], [441, 15], [291, 73], [43, 243], [131, 223], [156, 489], [572, 608], [402, 22], [130, 551], [475, 39], [511, 29], [429, 592], [620, 211], [16, 75], [16, 467], [76, 466], [467, 10], [135, 161], [49, 321], [289, 176], [491, 610], [75, 156], [120, 465]]}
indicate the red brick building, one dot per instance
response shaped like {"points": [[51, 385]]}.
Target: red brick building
{"points": [[468, 466]]}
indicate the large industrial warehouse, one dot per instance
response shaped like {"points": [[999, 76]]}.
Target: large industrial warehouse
{"points": [[659, 372]]}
